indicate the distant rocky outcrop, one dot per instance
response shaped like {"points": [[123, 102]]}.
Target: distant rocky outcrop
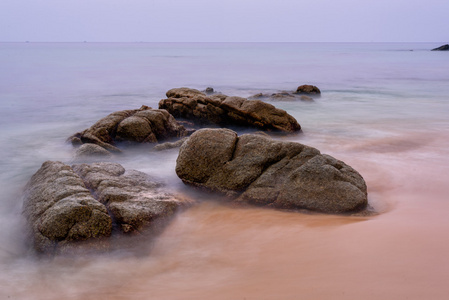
{"points": [[225, 111], [68, 208], [442, 48], [144, 125], [255, 169]]}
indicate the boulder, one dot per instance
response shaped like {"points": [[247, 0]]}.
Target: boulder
{"points": [[442, 48], [71, 208], [308, 89], [225, 111], [257, 170], [144, 125], [61, 210]]}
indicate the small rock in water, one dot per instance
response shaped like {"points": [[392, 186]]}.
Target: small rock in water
{"points": [[169, 145], [209, 91], [308, 89], [91, 150], [306, 98]]}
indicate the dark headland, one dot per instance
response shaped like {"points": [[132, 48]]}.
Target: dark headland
{"points": [[442, 48]]}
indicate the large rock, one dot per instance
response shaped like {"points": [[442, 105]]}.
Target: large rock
{"points": [[258, 170], [68, 208], [442, 48], [144, 125], [224, 111], [61, 210]]}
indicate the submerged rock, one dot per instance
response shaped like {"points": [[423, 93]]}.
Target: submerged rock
{"points": [[224, 111], [281, 96], [144, 125], [306, 98], [442, 48], [68, 208], [258, 170], [91, 150], [169, 145]]}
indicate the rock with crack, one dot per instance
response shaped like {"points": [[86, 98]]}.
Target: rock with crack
{"points": [[71, 208], [258, 170], [225, 111], [144, 125]]}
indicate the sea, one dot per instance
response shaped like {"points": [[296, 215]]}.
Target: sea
{"points": [[383, 109]]}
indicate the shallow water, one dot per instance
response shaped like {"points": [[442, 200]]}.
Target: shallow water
{"points": [[383, 110]]}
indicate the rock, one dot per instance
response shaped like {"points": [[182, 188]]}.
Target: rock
{"points": [[281, 96], [69, 208], [285, 96], [306, 98], [170, 145], [258, 170], [227, 111], [89, 150], [257, 96], [442, 48], [144, 125], [134, 199], [184, 92], [209, 91], [308, 89], [61, 210]]}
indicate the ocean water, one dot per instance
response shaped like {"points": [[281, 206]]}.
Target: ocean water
{"points": [[383, 110]]}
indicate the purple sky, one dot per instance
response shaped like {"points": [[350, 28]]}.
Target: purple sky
{"points": [[225, 20]]}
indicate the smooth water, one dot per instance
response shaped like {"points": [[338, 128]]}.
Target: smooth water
{"points": [[384, 110]]}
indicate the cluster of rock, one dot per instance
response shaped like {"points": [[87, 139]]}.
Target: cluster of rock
{"points": [[257, 170], [144, 125], [222, 110], [69, 207]]}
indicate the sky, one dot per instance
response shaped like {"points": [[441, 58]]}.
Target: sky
{"points": [[224, 20]]}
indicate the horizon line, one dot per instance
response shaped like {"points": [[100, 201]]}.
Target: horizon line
{"points": [[211, 42]]}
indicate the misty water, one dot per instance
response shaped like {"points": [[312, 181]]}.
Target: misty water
{"points": [[383, 110]]}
